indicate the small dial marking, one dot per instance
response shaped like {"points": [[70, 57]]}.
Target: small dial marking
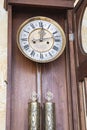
{"points": [[32, 25], [25, 31], [24, 39], [55, 48], [26, 47], [55, 32], [41, 24], [32, 53]]}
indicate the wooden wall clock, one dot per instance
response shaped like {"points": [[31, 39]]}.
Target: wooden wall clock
{"points": [[26, 74]]}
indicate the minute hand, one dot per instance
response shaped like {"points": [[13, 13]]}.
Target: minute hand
{"points": [[43, 39]]}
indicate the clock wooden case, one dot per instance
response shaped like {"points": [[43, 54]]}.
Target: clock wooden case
{"points": [[25, 76]]}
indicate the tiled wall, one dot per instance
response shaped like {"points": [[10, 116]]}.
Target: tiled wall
{"points": [[3, 62]]}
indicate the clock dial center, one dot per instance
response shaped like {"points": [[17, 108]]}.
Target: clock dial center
{"points": [[41, 40]]}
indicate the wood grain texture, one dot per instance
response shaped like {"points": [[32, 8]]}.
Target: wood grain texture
{"points": [[24, 74], [82, 71], [21, 80], [82, 106], [54, 80], [85, 83], [68, 84], [76, 123], [48, 3]]}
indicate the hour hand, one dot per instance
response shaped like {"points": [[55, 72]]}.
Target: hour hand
{"points": [[42, 34], [35, 40]]}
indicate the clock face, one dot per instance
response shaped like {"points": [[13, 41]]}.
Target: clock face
{"points": [[41, 39]]}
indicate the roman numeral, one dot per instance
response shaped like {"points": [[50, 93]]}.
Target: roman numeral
{"points": [[41, 24], [49, 26], [55, 48], [24, 39], [50, 54], [26, 47], [55, 32], [32, 53], [57, 40], [32, 25], [41, 56], [25, 31], [58, 36]]}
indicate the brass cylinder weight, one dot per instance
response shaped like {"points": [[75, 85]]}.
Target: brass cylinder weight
{"points": [[33, 115], [49, 108]]}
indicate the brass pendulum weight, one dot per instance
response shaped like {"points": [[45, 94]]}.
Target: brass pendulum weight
{"points": [[49, 108], [34, 113]]}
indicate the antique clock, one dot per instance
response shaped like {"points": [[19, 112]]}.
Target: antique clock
{"points": [[42, 39]]}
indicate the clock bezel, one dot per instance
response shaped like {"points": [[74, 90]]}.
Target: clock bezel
{"points": [[50, 21]]}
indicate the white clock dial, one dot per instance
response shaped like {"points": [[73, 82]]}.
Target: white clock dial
{"points": [[41, 39]]}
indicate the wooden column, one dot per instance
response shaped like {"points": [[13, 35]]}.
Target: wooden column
{"points": [[73, 81]]}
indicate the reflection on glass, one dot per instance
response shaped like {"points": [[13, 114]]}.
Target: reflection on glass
{"points": [[84, 31], [76, 1]]}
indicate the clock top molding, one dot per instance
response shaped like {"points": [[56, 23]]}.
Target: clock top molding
{"points": [[45, 3]]}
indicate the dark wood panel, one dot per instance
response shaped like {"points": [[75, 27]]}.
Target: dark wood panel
{"points": [[37, 11], [82, 105], [68, 82], [22, 80], [45, 3], [73, 81], [85, 85], [82, 71], [54, 80], [23, 84]]}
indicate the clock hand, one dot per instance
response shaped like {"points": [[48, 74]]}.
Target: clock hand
{"points": [[42, 33], [34, 40]]}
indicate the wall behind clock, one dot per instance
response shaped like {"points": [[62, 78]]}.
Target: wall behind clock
{"points": [[3, 64]]}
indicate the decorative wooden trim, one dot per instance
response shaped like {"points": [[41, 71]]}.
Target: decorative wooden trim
{"points": [[76, 123], [69, 97], [79, 4], [82, 106], [76, 41], [8, 112], [47, 3], [85, 84]]}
